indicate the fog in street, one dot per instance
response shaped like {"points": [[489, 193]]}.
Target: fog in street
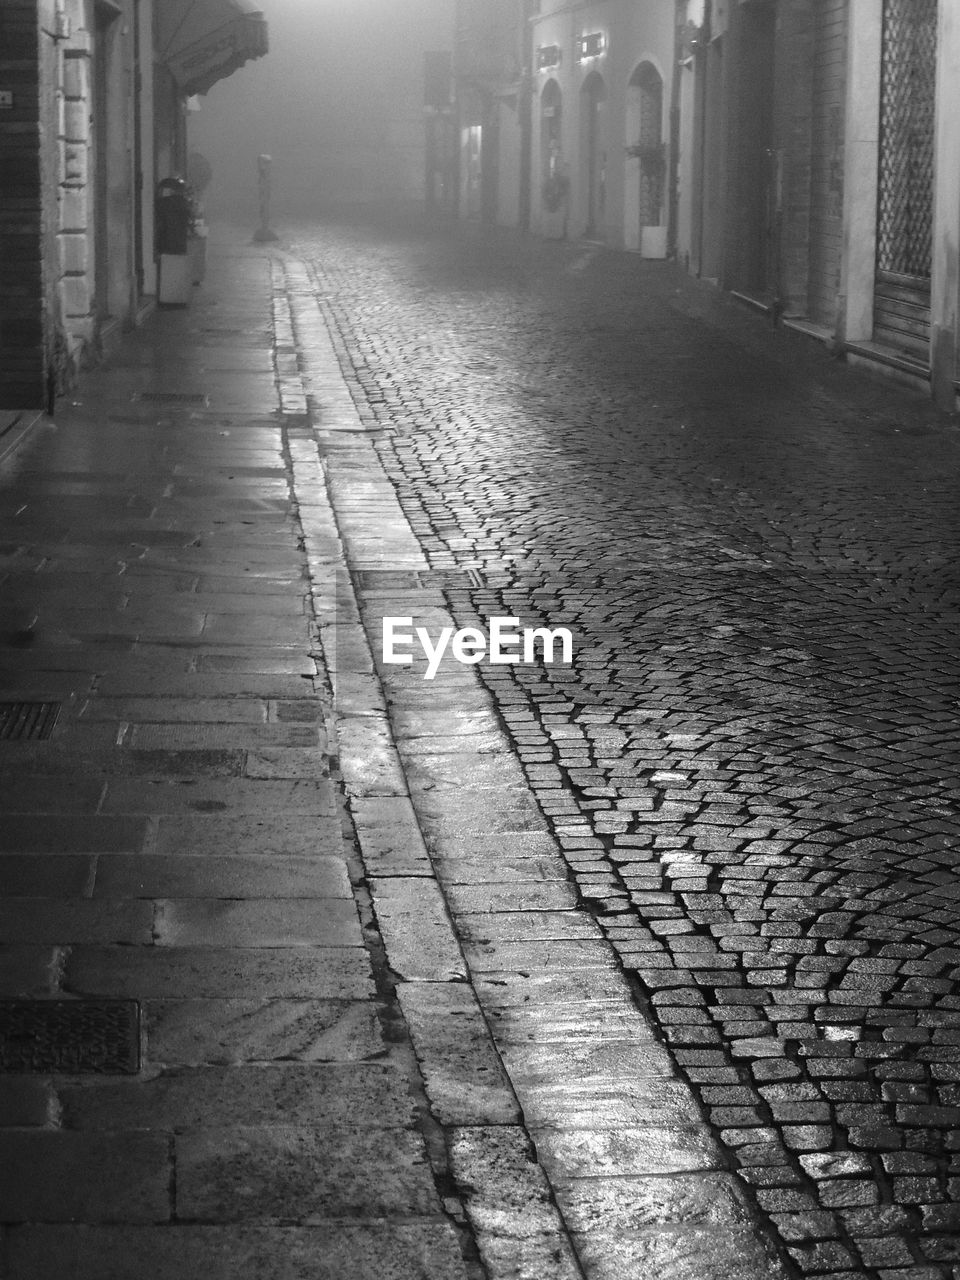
{"points": [[337, 104]]}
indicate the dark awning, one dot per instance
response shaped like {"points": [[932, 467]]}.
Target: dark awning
{"points": [[203, 41]]}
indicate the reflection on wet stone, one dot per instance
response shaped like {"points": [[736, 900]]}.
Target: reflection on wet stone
{"points": [[749, 767]]}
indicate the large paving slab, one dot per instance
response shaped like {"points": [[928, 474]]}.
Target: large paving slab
{"points": [[208, 1031], [425, 1249], [187, 972]]}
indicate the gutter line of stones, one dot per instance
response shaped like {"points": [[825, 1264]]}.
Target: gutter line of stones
{"points": [[419, 987]]}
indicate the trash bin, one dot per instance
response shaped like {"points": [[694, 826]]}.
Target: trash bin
{"points": [[173, 217]]}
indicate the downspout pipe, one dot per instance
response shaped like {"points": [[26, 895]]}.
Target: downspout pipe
{"points": [[525, 107], [673, 192], [703, 72]]}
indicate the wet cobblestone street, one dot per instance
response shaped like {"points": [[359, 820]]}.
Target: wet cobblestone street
{"points": [[751, 765]]}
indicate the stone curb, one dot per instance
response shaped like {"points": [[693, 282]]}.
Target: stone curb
{"points": [[465, 1082]]}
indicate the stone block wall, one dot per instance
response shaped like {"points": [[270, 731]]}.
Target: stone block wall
{"points": [[22, 355], [47, 321], [74, 264], [811, 82], [793, 129]]}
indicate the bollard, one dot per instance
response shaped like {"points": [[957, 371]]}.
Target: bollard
{"points": [[263, 233]]}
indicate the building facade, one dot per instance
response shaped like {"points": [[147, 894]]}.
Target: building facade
{"points": [[900, 284], [565, 117], [23, 85], [92, 97], [601, 103], [798, 153], [77, 231], [818, 174], [491, 61]]}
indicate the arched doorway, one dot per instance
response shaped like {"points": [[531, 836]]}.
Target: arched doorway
{"points": [[645, 144], [553, 175], [593, 164]]}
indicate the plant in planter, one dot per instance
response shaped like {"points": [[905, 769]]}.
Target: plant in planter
{"points": [[652, 156]]}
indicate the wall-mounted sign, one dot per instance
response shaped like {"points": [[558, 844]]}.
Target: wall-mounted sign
{"points": [[6, 99], [590, 45], [548, 55]]}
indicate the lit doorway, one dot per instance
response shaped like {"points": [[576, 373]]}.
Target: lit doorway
{"points": [[645, 163]]}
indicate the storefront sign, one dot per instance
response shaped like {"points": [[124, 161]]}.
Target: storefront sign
{"points": [[548, 55], [590, 45]]}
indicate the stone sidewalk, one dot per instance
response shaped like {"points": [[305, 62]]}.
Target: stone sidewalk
{"points": [[290, 986]]}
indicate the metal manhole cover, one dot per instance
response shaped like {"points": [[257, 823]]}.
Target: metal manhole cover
{"points": [[171, 397], [416, 579], [19, 720], [453, 578], [70, 1036]]}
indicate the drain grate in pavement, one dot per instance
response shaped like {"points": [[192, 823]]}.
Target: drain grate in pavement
{"points": [[452, 578], [415, 580], [70, 1036], [19, 720], [387, 580], [171, 397]]}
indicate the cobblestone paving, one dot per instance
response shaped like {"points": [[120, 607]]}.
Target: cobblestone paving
{"points": [[752, 763]]}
